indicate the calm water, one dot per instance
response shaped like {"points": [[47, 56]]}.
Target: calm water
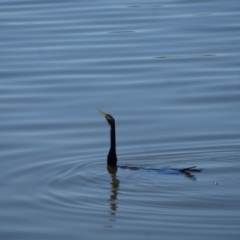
{"points": [[168, 71]]}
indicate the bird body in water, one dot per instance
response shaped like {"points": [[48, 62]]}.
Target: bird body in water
{"points": [[112, 156]]}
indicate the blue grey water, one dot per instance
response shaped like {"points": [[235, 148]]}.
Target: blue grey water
{"points": [[168, 71]]}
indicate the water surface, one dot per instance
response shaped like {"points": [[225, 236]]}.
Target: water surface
{"points": [[168, 71]]}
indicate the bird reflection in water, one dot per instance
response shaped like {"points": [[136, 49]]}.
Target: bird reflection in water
{"points": [[114, 182], [114, 189]]}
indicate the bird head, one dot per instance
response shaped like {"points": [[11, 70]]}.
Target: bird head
{"points": [[108, 117]]}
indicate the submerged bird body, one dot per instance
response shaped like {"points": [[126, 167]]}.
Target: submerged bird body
{"points": [[112, 156]]}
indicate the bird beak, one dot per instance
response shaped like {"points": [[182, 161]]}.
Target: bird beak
{"points": [[103, 113]]}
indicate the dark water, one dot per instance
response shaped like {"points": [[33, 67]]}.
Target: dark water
{"points": [[168, 71]]}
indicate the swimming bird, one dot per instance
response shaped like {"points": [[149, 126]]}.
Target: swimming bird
{"points": [[112, 155]]}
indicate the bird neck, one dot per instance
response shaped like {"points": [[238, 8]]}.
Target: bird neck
{"points": [[112, 156]]}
